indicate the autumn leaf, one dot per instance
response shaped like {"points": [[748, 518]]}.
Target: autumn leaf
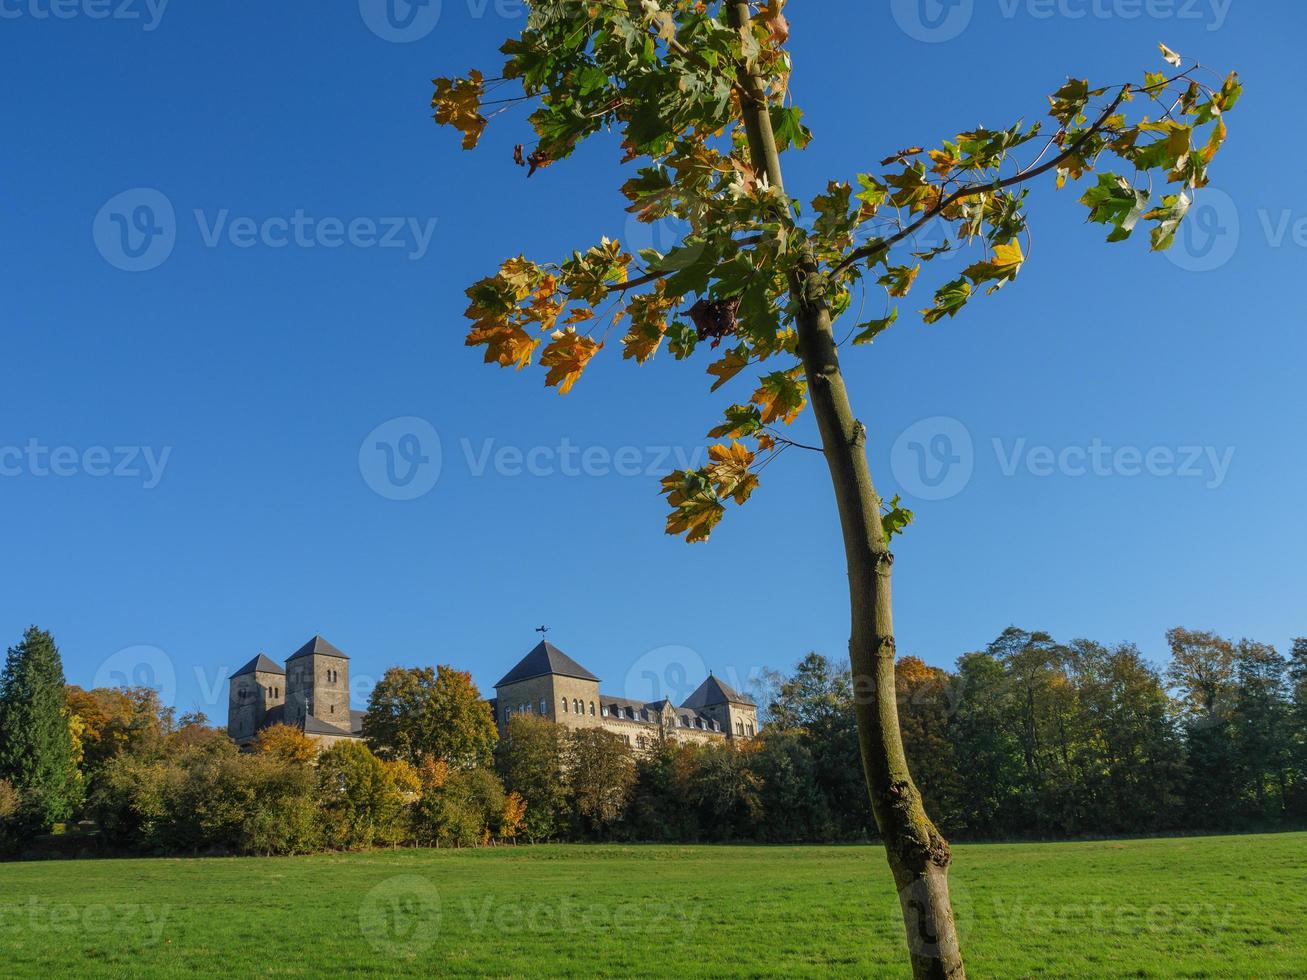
{"points": [[566, 357], [695, 507], [507, 345], [781, 396], [1170, 57], [733, 363], [729, 472], [457, 102], [649, 314], [1001, 268]]}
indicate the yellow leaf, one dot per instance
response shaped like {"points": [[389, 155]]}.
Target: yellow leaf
{"points": [[566, 357], [729, 366], [457, 102], [729, 471]]}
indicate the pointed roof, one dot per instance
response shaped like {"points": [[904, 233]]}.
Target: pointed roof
{"points": [[713, 691], [316, 646], [544, 659], [259, 665]]}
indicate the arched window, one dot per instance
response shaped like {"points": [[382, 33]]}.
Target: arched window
{"points": [[576, 705], [544, 708], [739, 728], [564, 705], [750, 728], [592, 708]]}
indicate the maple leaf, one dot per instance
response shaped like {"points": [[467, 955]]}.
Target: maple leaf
{"points": [[1170, 57], [729, 471], [457, 102], [566, 357], [695, 507], [1000, 269], [781, 396], [733, 363], [507, 344], [649, 320]]}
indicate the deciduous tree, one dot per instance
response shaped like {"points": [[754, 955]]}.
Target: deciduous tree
{"points": [[699, 91], [415, 712]]}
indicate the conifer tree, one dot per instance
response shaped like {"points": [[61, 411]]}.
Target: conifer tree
{"points": [[36, 744]]}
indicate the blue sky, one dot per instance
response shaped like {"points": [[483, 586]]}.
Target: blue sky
{"points": [[240, 387]]}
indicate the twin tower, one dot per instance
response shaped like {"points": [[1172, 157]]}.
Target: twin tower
{"points": [[311, 693]]}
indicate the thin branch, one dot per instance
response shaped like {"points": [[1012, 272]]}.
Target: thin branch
{"points": [[971, 190]]}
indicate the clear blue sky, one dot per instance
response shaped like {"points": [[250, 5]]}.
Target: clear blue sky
{"points": [[262, 370]]}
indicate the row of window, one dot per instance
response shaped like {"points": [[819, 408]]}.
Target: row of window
{"points": [[578, 707]]}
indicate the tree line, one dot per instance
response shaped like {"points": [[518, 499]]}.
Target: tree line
{"points": [[1028, 737]]}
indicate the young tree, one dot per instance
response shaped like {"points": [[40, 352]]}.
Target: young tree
{"points": [[417, 712], [699, 91], [36, 739]]}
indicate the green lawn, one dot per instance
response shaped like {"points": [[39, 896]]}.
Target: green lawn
{"points": [[1215, 906]]}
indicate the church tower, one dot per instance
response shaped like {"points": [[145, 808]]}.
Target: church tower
{"points": [[253, 691], [317, 685]]}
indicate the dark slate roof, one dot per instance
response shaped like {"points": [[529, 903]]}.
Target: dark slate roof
{"points": [[314, 725], [544, 659], [259, 664], [274, 716], [713, 691], [356, 721], [318, 646]]}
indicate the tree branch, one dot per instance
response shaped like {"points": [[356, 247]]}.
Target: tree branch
{"points": [[971, 190]]}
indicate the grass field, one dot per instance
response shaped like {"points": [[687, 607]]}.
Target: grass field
{"points": [[1215, 906]]}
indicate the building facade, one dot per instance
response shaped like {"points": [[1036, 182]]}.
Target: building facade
{"points": [[549, 684], [310, 693]]}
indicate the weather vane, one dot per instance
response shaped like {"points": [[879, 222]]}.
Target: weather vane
{"points": [[542, 629]]}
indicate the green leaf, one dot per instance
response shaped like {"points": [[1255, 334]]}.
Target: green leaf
{"points": [[787, 125], [895, 518], [869, 331], [950, 298]]}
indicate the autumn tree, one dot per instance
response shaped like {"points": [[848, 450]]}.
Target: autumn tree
{"points": [[287, 743], [415, 712], [530, 758], [700, 93]]}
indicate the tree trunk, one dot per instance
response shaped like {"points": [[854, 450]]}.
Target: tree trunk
{"points": [[918, 854]]}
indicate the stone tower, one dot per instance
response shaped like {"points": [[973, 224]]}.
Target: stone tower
{"points": [[254, 690], [737, 714], [549, 684], [317, 685]]}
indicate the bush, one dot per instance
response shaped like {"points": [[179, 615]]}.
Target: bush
{"points": [[364, 801]]}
